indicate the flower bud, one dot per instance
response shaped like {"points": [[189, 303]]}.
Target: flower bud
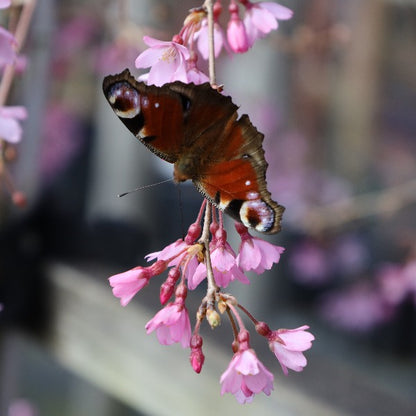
{"points": [[194, 231], [197, 357], [166, 291], [213, 318], [157, 267], [263, 329]]}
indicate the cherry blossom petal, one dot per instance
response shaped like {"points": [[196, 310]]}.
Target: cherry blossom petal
{"points": [[294, 360], [277, 10], [263, 19], [126, 285], [297, 339]]}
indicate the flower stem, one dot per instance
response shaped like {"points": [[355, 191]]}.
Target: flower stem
{"points": [[251, 317], [211, 58], [237, 315], [212, 287]]}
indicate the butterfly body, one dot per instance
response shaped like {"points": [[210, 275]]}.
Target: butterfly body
{"points": [[198, 130]]}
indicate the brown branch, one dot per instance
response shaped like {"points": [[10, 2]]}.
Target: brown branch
{"points": [[380, 203]]}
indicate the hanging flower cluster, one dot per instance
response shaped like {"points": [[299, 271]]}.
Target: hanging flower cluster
{"points": [[187, 262], [176, 60], [205, 254]]}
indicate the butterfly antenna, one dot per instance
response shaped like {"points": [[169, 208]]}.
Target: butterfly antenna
{"points": [[144, 187], [181, 212]]}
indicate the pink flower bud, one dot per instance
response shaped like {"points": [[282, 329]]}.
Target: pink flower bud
{"points": [[236, 31], [263, 329], [194, 231], [197, 357], [157, 267]]}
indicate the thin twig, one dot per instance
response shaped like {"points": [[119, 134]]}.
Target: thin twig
{"points": [[212, 287], [211, 59]]}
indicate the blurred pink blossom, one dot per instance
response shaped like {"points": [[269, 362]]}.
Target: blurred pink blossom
{"points": [[262, 17], [398, 282], [8, 46], [5, 3], [359, 308], [310, 263], [349, 255], [22, 407], [114, 57], [75, 35], [10, 129], [62, 138]]}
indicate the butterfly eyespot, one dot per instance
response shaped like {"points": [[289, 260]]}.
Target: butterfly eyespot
{"points": [[124, 100], [245, 156], [257, 214]]}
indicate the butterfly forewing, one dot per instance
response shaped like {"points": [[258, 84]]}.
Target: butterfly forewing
{"points": [[154, 115]]}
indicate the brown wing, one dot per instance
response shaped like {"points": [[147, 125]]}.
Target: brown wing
{"points": [[236, 180], [172, 120]]}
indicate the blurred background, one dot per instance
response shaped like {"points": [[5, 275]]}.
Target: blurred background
{"points": [[334, 92]]}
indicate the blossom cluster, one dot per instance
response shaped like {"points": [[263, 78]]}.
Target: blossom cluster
{"points": [[204, 254], [10, 116], [176, 60], [187, 263]]}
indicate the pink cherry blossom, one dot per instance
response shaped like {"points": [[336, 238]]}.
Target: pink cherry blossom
{"points": [[236, 32], [10, 129], [256, 254], [246, 376], [310, 263], [224, 266], [5, 3], [171, 251], [288, 345], [409, 272], [262, 17], [125, 285], [8, 45], [167, 61], [392, 283], [172, 324]]}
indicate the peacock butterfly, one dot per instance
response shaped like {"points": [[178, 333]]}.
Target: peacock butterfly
{"points": [[196, 128]]}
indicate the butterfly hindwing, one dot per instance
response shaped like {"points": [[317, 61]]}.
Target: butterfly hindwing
{"points": [[236, 180]]}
